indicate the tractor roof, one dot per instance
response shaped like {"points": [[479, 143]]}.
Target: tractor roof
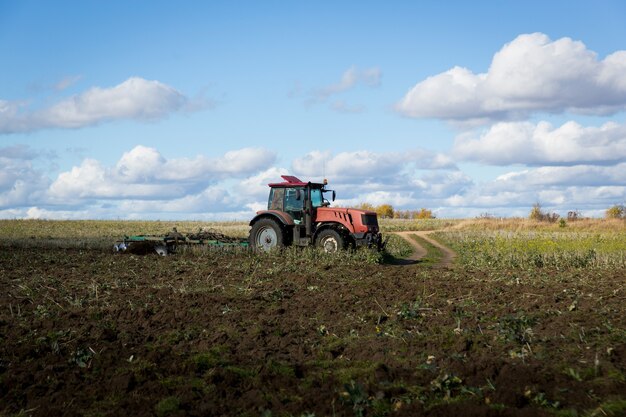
{"points": [[290, 181]]}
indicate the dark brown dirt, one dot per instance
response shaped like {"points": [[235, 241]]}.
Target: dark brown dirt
{"points": [[95, 334]]}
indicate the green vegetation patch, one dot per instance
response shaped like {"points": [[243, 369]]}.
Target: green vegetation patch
{"points": [[502, 249]]}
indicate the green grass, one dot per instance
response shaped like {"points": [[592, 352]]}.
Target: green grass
{"points": [[397, 247], [434, 255]]}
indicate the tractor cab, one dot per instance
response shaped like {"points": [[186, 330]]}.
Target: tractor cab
{"points": [[293, 196], [298, 213]]}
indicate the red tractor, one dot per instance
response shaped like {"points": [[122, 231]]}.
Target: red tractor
{"points": [[299, 214]]}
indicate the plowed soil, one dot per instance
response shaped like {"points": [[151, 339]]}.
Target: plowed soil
{"points": [[86, 332]]}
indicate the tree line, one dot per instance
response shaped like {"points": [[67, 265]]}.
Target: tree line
{"points": [[386, 211]]}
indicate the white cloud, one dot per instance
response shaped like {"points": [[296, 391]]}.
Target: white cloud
{"points": [[351, 78], [135, 98], [412, 179], [91, 180], [579, 175], [366, 164], [541, 144], [41, 213], [147, 164], [396, 199], [256, 186], [143, 173], [211, 199], [561, 189], [20, 182], [529, 74], [139, 164], [234, 185]]}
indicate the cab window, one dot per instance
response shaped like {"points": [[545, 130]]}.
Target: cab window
{"points": [[275, 201], [316, 197], [294, 199]]}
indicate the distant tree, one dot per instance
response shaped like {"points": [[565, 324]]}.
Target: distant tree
{"points": [[400, 214], [385, 211], [573, 215], [618, 211], [366, 206], [423, 214], [537, 214]]}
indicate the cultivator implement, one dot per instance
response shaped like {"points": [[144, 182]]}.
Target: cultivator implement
{"points": [[169, 243]]}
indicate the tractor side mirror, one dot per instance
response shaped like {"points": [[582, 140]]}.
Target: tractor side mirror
{"points": [[334, 195]]}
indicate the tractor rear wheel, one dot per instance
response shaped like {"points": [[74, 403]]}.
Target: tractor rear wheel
{"points": [[330, 241], [266, 234]]}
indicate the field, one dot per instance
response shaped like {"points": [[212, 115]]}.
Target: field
{"points": [[528, 320]]}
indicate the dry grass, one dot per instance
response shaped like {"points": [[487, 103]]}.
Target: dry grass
{"points": [[91, 229], [523, 224], [98, 229]]}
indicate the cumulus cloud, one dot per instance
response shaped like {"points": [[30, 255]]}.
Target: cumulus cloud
{"points": [[143, 183], [530, 74], [411, 179], [143, 173], [559, 188], [367, 164], [20, 182], [92, 180], [527, 143], [580, 175], [147, 164], [135, 98], [255, 186], [211, 199]]}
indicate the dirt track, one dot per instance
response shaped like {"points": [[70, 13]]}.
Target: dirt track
{"points": [[420, 252]]}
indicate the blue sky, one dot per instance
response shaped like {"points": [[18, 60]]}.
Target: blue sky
{"points": [[158, 110]]}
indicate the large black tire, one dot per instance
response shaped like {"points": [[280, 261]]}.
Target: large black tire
{"points": [[265, 235], [330, 241]]}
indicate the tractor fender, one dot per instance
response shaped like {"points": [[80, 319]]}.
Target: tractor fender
{"points": [[335, 226], [282, 217]]}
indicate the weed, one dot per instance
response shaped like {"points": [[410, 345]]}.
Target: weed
{"points": [[167, 406], [541, 400], [356, 396], [446, 384], [612, 408], [410, 311], [82, 357], [204, 361], [517, 328]]}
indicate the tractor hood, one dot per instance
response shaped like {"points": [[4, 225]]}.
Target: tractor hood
{"points": [[344, 210], [356, 220]]}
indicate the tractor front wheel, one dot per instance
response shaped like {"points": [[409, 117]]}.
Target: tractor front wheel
{"points": [[330, 241], [265, 235]]}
